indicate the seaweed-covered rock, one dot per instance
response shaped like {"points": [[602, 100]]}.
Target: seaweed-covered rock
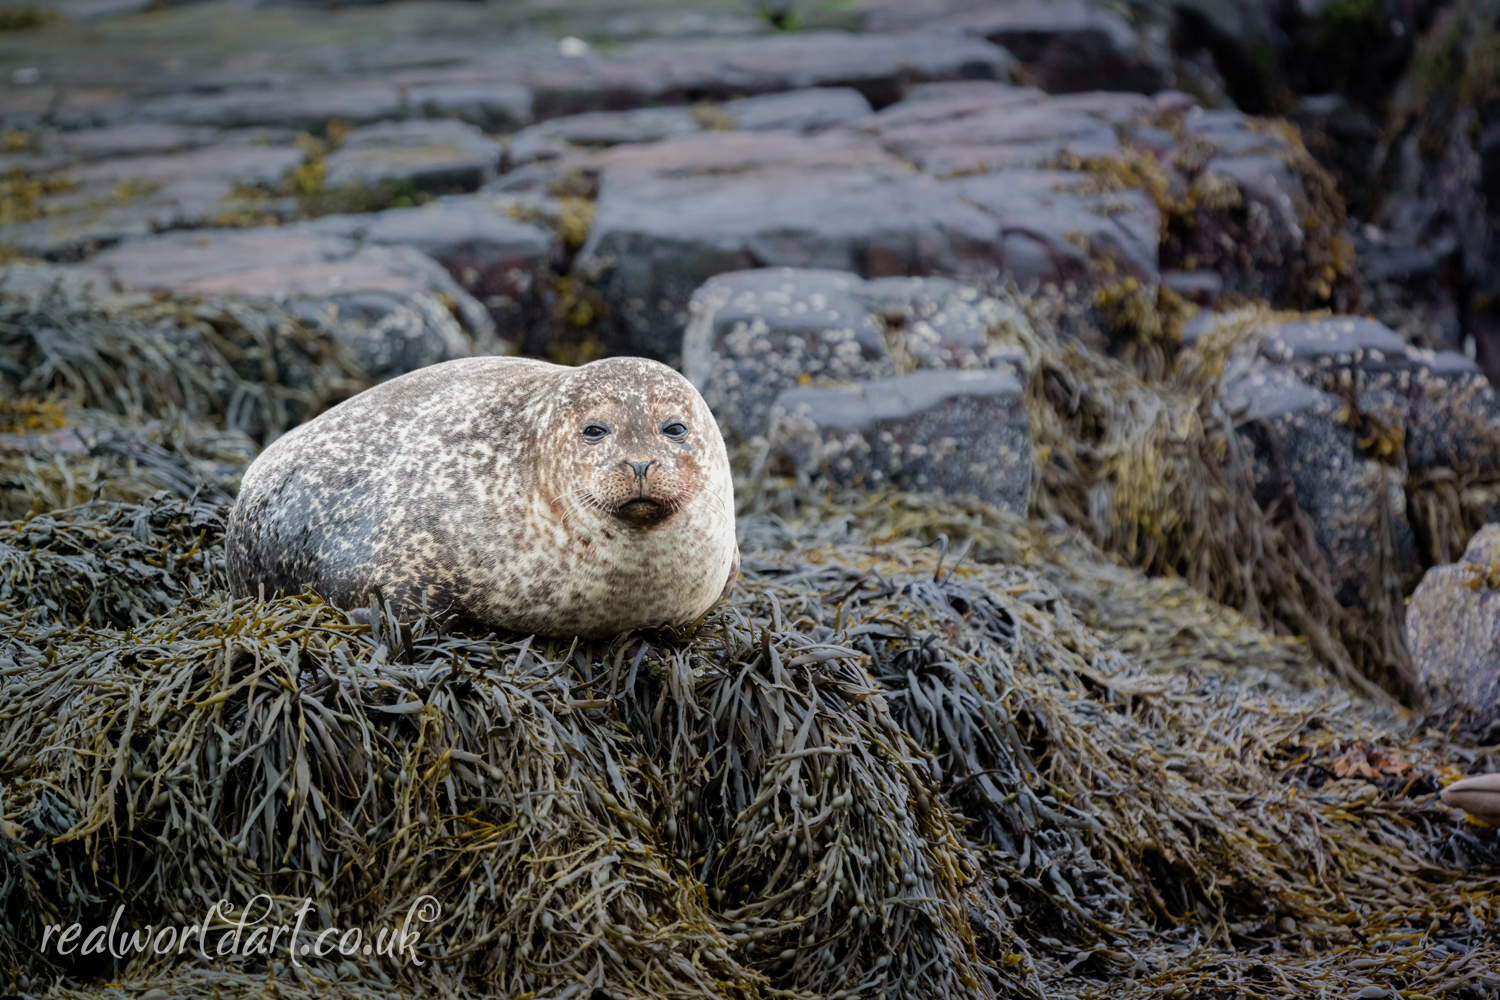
{"points": [[1302, 443], [439, 156], [1454, 423], [757, 333], [394, 307], [956, 432], [1453, 623]]}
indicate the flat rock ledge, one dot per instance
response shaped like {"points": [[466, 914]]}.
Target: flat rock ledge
{"points": [[954, 432], [894, 382], [1105, 196], [392, 307]]}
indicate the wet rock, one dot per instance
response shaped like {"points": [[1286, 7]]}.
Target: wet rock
{"points": [[1454, 424], [956, 432], [800, 110], [1300, 443], [1410, 289], [394, 308], [129, 140], [552, 139], [1270, 196], [1248, 203], [1095, 193], [353, 102], [674, 214], [434, 156], [1068, 45], [1199, 287], [1051, 233], [38, 281], [755, 334], [1453, 625], [495, 258], [1433, 409], [961, 129], [492, 105], [108, 200], [879, 66]]}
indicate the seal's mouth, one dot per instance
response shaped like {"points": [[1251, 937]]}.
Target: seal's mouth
{"points": [[642, 512]]}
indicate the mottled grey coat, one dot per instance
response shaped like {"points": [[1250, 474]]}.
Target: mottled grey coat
{"points": [[472, 487]]}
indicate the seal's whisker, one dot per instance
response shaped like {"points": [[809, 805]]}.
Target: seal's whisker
{"points": [[715, 509]]}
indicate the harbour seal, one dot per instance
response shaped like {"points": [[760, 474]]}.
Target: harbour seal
{"points": [[514, 493]]}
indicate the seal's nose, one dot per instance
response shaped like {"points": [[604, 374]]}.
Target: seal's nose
{"points": [[640, 470]]}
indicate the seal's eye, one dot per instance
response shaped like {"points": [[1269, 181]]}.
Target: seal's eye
{"points": [[674, 429], [594, 433]]}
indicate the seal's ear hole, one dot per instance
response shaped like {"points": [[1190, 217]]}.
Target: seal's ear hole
{"points": [[674, 429], [594, 433]]}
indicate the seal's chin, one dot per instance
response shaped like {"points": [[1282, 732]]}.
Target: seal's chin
{"points": [[642, 512]]}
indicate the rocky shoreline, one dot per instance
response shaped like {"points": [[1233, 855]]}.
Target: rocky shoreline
{"points": [[1111, 393]]}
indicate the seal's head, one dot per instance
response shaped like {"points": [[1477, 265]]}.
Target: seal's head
{"points": [[629, 443]]}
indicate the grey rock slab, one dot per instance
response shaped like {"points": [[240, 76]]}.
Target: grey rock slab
{"points": [[35, 282], [672, 214], [879, 66], [754, 334], [958, 432], [1343, 340], [126, 197], [989, 129], [430, 155], [1352, 357], [1069, 45], [1052, 234], [239, 161], [394, 308], [1265, 179], [309, 108], [500, 261], [129, 140], [551, 139], [493, 105], [1453, 628], [798, 110]]}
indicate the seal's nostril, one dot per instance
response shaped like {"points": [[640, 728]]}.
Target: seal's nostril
{"points": [[640, 469]]}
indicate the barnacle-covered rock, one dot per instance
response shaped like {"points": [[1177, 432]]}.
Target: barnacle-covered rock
{"points": [[1454, 624], [957, 432], [754, 334]]}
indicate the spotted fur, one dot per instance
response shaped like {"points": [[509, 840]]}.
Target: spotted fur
{"points": [[470, 487]]}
